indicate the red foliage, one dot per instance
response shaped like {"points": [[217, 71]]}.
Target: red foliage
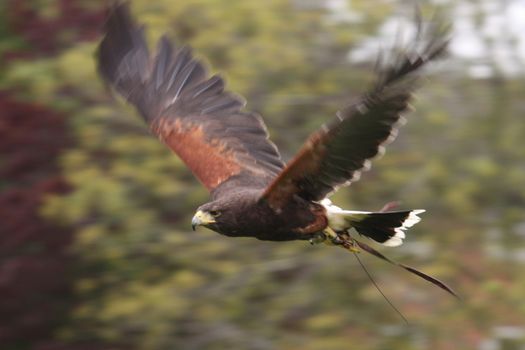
{"points": [[34, 281], [46, 36]]}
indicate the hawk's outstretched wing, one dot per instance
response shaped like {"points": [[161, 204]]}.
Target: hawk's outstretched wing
{"points": [[189, 111], [336, 154]]}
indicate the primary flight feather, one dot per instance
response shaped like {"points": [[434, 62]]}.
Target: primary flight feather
{"points": [[227, 148]]}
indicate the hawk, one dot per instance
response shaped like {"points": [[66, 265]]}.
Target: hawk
{"points": [[253, 192]]}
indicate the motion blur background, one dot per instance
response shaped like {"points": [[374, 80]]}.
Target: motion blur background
{"points": [[96, 250]]}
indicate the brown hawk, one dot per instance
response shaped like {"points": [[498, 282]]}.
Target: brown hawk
{"points": [[253, 193]]}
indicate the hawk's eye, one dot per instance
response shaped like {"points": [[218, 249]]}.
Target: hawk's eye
{"points": [[215, 213]]}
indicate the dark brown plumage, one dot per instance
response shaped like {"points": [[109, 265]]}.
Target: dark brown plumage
{"points": [[185, 108], [228, 150]]}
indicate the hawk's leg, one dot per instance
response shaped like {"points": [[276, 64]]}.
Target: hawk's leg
{"points": [[322, 237], [329, 232], [330, 237], [342, 239]]}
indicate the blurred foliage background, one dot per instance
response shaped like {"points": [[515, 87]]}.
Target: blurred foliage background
{"points": [[96, 250]]}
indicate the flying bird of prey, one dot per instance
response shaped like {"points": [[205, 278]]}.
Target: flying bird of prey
{"points": [[253, 192]]}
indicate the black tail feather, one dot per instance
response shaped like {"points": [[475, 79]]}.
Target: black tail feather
{"points": [[387, 228]]}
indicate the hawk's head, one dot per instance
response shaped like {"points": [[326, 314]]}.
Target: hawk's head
{"points": [[216, 215], [205, 218]]}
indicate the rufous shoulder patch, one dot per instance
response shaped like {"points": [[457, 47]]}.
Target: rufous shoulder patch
{"points": [[208, 159]]}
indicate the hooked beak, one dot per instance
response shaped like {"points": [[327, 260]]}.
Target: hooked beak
{"points": [[202, 219]]}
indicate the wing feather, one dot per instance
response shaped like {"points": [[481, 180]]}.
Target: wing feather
{"points": [[337, 153], [189, 111]]}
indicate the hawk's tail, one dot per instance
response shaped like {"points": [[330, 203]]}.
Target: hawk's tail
{"points": [[387, 228]]}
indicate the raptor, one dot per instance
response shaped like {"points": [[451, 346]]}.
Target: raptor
{"points": [[252, 191]]}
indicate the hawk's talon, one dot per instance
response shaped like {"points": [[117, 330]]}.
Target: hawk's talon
{"points": [[342, 239]]}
